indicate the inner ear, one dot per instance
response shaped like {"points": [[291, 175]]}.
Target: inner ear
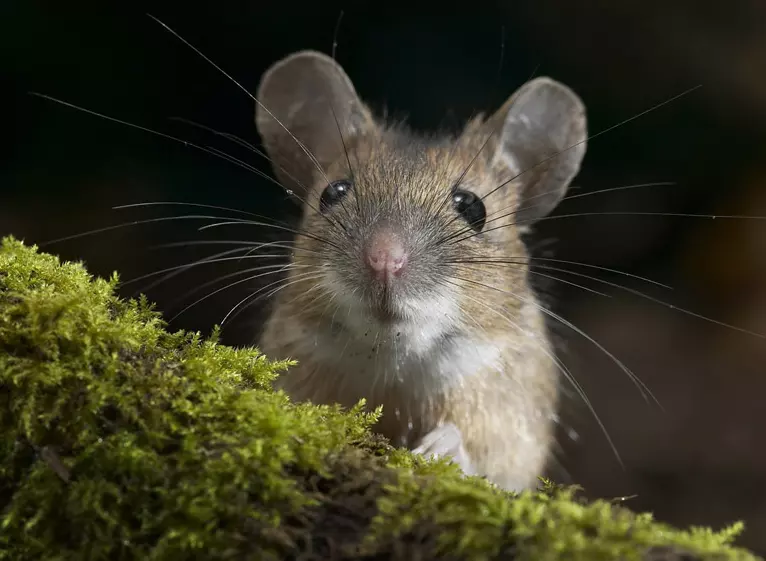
{"points": [[543, 137], [306, 103]]}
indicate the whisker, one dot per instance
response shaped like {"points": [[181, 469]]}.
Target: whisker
{"points": [[209, 150], [134, 223], [588, 194], [644, 390], [177, 270], [199, 205], [615, 213], [658, 301], [293, 280], [206, 261], [251, 96], [254, 223], [492, 133], [245, 243], [492, 218], [249, 146], [246, 166], [217, 280], [478, 153], [592, 137], [348, 160], [187, 143], [514, 260], [569, 377], [335, 34], [612, 189], [537, 273], [230, 285], [671, 214]]}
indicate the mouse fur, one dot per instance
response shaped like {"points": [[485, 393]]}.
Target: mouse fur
{"points": [[456, 349]]}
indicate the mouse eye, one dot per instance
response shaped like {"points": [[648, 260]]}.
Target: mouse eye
{"points": [[333, 193], [470, 208]]}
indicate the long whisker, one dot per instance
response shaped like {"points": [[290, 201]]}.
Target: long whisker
{"points": [[335, 34], [588, 194], [569, 377], [246, 166], [491, 217], [293, 280], [514, 259], [671, 214], [199, 205], [177, 270], [478, 153], [251, 96], [592, 137], [348, 160], [636, 380], [217, 258], [134, 223], [612, 189], [537, 273], [217, 280], [187, 143], [208, 150], [615, 213], [245, 244], [249, 146], [255, 223], [230, 285], [650, 298], [492, 133]]}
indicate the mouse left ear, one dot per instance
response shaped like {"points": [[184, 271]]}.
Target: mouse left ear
{"points": [[308, 108], [542, 132]]}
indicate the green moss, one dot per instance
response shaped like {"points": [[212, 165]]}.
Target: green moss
{"points": [[121, 440]]}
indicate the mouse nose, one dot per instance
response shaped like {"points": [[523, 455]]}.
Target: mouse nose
{"points": [[385, 254]]}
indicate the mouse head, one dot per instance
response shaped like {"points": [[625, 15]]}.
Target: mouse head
{"points": [[403, 227]]}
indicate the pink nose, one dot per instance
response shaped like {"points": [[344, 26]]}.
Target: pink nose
{"points": [[385, 254]]}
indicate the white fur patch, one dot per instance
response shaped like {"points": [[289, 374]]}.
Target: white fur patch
{"points": [[426, 319], [446, 440], [369, 356]]}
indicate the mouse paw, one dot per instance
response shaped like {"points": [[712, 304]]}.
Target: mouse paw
{"points": [[446, 440]]}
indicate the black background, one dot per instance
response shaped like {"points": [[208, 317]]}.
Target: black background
{"points": [[63, 170]]}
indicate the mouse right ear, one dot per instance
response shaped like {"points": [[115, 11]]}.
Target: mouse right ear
{"points": [[543, 136], [307, 102]]}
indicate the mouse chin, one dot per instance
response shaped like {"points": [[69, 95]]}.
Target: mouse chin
{"points": [[379, 313], [422, 318], [387, 314]]}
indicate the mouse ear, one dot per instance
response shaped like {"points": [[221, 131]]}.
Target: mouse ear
{"points": [[543, 133], [306, 102]]}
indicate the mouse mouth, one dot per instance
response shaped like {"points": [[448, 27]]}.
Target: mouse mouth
{"points": [[385, 314], [383, 308]]}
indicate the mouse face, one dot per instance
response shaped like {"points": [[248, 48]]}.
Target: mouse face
{"points": [[405, 234]]}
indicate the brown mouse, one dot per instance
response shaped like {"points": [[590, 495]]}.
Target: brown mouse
{"points": [[409, 283]]}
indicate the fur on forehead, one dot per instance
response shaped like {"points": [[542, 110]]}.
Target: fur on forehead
{"points": [[309, 116]]}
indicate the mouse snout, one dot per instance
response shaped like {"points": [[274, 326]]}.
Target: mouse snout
{"points": [[385, 255]]}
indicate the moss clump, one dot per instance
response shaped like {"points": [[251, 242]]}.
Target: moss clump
{"points": [[123, 441]]}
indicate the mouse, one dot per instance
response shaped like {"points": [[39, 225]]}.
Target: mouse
{"points": [[408, 280]]}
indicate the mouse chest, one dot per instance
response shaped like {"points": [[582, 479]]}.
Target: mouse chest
{"points": [[411, 387]]}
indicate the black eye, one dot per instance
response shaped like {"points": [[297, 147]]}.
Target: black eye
{"points": [[470, 208], [333, 193]]}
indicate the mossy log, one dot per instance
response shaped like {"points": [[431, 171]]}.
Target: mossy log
{"points": [[122, 441]]}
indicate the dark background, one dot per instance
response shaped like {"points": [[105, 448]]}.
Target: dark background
{"points": [[697, 460]]}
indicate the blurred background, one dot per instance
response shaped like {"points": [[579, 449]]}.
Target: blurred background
{"points": [[696, 458]]}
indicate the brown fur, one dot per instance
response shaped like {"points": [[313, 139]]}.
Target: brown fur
{"points": [[504, 402]]}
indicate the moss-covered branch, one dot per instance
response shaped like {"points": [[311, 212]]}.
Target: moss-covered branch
{"points": [[121, 440]]}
